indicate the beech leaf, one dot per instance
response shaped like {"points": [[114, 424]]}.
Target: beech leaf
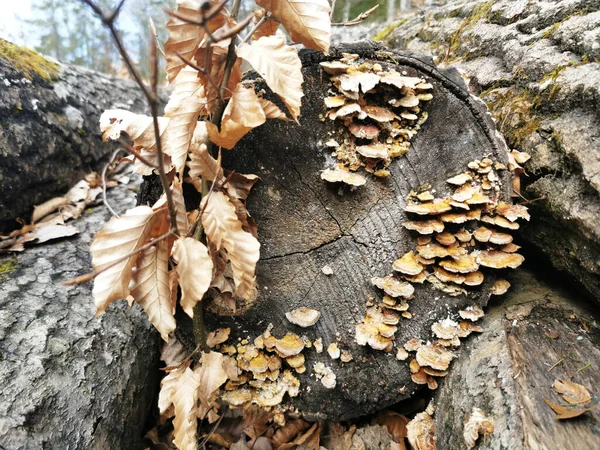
{"points": [[119, 237], [243, 113], [180, 389], [138, 127], [212, 376], [224, 230], [307, 21], [181, 214], [280, 66], [203, 165], [150, 288], [194, 269]]}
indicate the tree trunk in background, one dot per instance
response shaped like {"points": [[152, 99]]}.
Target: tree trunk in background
{"points": [[49, 131], [305, 224], [70, 380], [538, 334], [536, 66]]}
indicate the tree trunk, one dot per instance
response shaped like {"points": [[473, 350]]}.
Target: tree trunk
{"points": [[536, 68], [306, 224], [537, 335], [49, 131], [70, 380]]}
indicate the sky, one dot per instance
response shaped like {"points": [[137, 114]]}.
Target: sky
{"points": [[11, 28]]}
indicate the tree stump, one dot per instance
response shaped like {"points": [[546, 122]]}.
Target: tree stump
{"points": [[539, 334], [49, 134], [306, 224]]}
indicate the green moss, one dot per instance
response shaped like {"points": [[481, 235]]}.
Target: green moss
{"points": [[551, 30], [383, 34], [9, 266], [29, 62], [480, 12], [81, 132]]}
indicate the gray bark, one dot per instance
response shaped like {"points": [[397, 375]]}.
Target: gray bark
{"points": [[49, 133], [535, 65], [507, 371], [70, 380], [305, 224]]}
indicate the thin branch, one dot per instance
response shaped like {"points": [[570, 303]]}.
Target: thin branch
{"points": [[199, 69], [206, 16], [90, 276], [104, 170], [151, 95], [359, 19], [156, 41], [129, 149], [263, 19], [232, 31]]}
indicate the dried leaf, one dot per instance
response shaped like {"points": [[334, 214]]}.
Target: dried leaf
{"points": [[280, 66], [567, 412], [573, 393], [243, 113], [268, 28], [307, 21], [41, 211], [217, 337], [181, 214], [150, 288], [203, 165], [180, 389], [49, 232], [119, 237], [194, 268], [138, 127], [212, 376], [288, 432], [224, 230]]}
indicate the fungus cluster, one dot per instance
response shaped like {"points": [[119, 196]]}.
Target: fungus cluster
{"points": [[381, 111]]}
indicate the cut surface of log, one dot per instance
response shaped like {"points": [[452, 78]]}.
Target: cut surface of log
{"points": [[306, 224], [49, 133], [70, 380], [536, 335]]}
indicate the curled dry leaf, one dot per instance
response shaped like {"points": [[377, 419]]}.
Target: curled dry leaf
{"points": [[41, 211], [150, 288], [573, 393], [194, 269], [243, 113], [567, 412], [280, 67], [180, 389], [477, 424], [119, 237], [224, 230], [138, 127], [307, 21]]}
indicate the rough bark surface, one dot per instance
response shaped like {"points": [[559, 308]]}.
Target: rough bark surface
{"points": [[539, 333], [70, 380], [305, 224], [536, 66], [49, 134]]}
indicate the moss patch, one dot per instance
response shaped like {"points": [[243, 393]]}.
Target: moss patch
{"points": [[9, 266], [383, 34], [29, 62], [480, 12]]}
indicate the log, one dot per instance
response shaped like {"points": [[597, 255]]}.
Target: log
{"points": [[538, 73], [49, 134], [306, 224], [538, 334], [70, 380]]}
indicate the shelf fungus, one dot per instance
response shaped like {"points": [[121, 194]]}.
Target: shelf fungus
{"points": [[379, 111], [472, 313], [303, 317], [394, 287], [338, 175], [374, 331], [325, 374], [478, 424]]}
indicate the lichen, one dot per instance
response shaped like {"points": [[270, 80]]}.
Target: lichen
{"points": [[9, 266], [480, 12], [29, 62], [383, 34]]}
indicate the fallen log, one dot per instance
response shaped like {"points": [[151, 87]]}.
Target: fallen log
{"points": [[538, 334], [322, 243], [536, 67], [49, 135], [69, 379]]}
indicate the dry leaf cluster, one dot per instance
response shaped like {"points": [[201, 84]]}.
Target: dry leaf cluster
{"points": [[380, 110], [577, 399]]}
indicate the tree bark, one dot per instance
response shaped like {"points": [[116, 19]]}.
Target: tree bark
{"points": [[305, 224], [537, 69], [539, 333], [70, 380], [49, 130]]}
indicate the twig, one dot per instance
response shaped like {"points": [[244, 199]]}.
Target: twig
{"points": [[90, 276], [156, 41], [104, 170], [266, 16], [357, 20], [217, 423], [151, 95], [556, 364], [129, 149], [200, 69], [206, 15]]}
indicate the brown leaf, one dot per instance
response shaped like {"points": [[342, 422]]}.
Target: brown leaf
{"points": [[268, 27], [194, 268], [573, 393], [271, 110], [395, 423], [566, 412], [217, 337], [212, 375], [307, 21], [49, 232], [288, 432], [41, 211], [180, 389], [138, 127], [243, 113], [255, 421], [119, 237], [224, 230], [203, 165], [150, 288], [280, 67], [177, 194]]}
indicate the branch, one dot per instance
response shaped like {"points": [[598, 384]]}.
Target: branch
{"points": [[104, 170], [151, 95], [266, 16], [359, 19]]}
